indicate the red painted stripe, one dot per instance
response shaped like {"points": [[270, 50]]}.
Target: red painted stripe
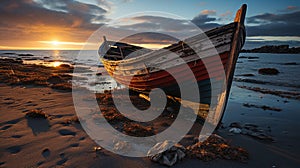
{"points": [[164, 79]]}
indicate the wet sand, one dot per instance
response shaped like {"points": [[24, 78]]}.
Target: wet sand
{"points": [[58, 140]]}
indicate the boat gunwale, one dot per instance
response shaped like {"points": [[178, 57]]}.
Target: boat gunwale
{"points": [[207, 34]]}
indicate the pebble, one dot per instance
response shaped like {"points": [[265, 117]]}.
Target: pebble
{"points": [[235, 125], [235, 130], [163, 154]]}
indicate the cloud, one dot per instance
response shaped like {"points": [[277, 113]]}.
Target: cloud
{"points": [[208, 12], [270, 24], [150, 38], [205, 22], [40, 19], [74, 10], [292, 8], [267, 25], [275, 18], [157, 28], [202, 19], [162, 25], [158, 23], [226, 17], [127, 1], [104, 4], [226, 14]]}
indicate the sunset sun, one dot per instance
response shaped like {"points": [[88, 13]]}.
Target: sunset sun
{"points": [[54, 42]]}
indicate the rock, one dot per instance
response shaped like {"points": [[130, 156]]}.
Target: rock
{"points": [[156, 157], [290, 63], [235, 125], [180, 153], [97, 148], [122, 146], [169, 159], [25, 55], [64, 66], [170, 109], [19, 59], [253, 131], [55, 79], [253, 57], [261, 136], [268, 71], [235, 130], [9, 53], [251, 127], [246, 75], [166, 154], [160, 147], [274, 49]]}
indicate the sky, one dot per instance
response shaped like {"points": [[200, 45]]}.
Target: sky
{"points": [[67, 24]]}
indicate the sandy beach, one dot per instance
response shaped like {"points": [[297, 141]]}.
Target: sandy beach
{"points": [[128, 83], [39, 127]]}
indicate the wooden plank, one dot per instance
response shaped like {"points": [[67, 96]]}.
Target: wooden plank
{"points": [[215, 33], [237, 43], [159, 58]]}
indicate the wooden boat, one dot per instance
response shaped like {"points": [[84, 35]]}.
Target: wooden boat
{"points": [[133, 67]]}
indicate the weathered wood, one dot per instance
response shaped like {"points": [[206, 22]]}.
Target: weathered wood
{"points": [[237, 44], [240, 15], [165, 58]]}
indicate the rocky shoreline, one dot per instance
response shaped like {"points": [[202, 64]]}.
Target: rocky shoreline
{"points": [[14, 72], [274, 49]]}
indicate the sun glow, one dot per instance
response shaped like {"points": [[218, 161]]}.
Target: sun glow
{"points": [[56, 64], [65, 45], [55, 42]]}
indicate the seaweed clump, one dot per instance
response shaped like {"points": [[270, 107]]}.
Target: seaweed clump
{"points": [[216, 147], [36, 114]]}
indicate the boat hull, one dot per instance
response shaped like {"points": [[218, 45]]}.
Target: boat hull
{"points": [[195, 71], [156, 69], [183, 64]]}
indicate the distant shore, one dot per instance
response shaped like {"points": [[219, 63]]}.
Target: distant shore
{"points": [[282, 49]]}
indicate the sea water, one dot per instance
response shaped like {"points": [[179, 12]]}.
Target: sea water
{"points": [[288, 66]]}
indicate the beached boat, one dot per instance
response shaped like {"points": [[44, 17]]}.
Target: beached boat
{"points": [[135, 67]]}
